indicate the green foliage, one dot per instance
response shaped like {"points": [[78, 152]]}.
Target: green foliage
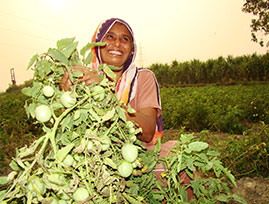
{"points": [[210, 178], [247, 155], [222, 70], [15, 126], [217, 108], [260, 21]]}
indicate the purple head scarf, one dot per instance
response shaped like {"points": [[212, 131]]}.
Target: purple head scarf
{"points": [[102, 30]]}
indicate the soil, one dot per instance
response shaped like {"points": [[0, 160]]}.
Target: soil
{"points": [[253, 190]]}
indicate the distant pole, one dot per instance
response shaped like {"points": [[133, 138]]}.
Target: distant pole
{"points": [[12, 73]]}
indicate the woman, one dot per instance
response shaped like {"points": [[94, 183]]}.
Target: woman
{"points": [[135, 86]]}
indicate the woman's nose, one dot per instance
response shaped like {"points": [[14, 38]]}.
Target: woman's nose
{"points": [[117, 42]]}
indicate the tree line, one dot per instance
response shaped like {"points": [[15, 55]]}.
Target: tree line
{"points": [[221, 70]]}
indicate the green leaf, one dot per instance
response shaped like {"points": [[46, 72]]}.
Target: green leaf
{"points": [[14, 165], [203, 157], [114, 68], [185, 138], [121, 113], [2, 196], [130, 109], [229, 175], [70, 49], [31, 109], [64, 42], [212, 153], [238, 199], [108, 115], [109, 73], [197, 146], [32, 60], [195, 184], [27, 91], [110, 163], [190, 164], [222, 198], [88, 59], [130, 199], [77, 73], [94, 114], [89, 46], [57, 55], [3, 180], [77, 114], [61, 154], [11, 175]]}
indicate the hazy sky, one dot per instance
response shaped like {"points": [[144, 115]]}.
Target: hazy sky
{"points": [[165, 30]]}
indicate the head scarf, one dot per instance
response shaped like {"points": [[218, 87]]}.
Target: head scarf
{"points": [[126, 86], [100, 33]]}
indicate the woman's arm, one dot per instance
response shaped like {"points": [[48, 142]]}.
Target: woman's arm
{"points": [[146, 119]]}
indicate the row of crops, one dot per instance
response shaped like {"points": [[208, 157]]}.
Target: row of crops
{"points": [[222, 70]]}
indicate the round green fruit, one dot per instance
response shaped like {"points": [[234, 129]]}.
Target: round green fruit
{"points": [[48, 91], [37, 186], [80, 194], [67, 99], [129, 152], [69, 160], [90, 145], [125, 169], [43, 113]]}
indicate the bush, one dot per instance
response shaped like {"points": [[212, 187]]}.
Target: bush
{"points": [[247, 155]]}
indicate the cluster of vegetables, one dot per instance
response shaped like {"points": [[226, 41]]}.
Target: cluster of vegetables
{"points": [[89, 152]]}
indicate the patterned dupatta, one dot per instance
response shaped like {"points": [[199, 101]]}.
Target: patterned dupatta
{"points": [[127, 84]]}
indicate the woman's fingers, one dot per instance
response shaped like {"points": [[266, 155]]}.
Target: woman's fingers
{"points": [[65, 82], [88, 77]]}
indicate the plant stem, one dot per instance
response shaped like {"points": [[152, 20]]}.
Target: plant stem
{"points": [[59, 119]]}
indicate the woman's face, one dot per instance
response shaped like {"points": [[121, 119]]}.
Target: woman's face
{"points": [[119, 45]]}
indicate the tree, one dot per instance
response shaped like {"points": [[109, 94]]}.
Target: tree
{"points": [[260, 23]]}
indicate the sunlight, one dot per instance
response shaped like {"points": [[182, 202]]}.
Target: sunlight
{"points": [[56, 4]]}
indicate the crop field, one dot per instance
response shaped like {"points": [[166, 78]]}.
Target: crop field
{"points": [[218, 108]]}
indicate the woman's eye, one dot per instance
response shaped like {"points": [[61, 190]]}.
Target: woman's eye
{"points": [[109, 36], [125, 39]]}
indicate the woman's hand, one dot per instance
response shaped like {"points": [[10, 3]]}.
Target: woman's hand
{"points": [[88, 77], [146, 118], [65, 82]]}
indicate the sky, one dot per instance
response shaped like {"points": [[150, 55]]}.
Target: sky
{"points": [[165, 31]]}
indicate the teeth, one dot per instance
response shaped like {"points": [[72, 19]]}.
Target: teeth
{"points": [[115, 52]]}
